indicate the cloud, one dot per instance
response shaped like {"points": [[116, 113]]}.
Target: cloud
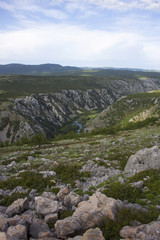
{"points": [[70, 45]]}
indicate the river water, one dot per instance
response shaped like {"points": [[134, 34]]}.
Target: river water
{"points": [[79, 125]]}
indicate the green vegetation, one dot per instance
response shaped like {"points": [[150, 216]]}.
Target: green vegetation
{"points": [[131, 112], [8, 200], [123, 192], [70, 172], [125, 217], [29, 180]]}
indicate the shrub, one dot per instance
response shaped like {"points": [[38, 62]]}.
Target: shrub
{"points": [[68, 173], [125, 217], [123, 192]]}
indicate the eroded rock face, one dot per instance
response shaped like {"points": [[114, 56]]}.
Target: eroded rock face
{"points": [[146, 159], [17, 207], [149, 231], [88, 214]]}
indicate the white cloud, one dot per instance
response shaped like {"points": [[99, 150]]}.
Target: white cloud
{"points": [[69, 45]]}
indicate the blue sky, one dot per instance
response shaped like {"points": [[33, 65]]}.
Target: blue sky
{"points": [[93, 33]]}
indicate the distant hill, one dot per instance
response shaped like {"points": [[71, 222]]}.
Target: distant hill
{"points": [[42, 69]]}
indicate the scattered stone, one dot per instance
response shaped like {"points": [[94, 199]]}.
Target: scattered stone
{"points": [[62, 193], [49, 195], [39, 229], [2, 209], [72, 199], [138, 184], [3, 223], [51, 218], [45, 206], [150, 231], [88, 214], [93, 234], [3, 236], [146, 159], [17, 232], [48, 173], [17, 207], [75, 238], [16, 220]]}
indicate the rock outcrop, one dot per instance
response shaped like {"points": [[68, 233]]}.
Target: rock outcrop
{"points": [[146, 159]]}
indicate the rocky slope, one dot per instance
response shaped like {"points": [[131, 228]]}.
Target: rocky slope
{"points": [[45, 113]]}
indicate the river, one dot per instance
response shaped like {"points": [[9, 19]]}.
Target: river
{"points": [[79, 125]]}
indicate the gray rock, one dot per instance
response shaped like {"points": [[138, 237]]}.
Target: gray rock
{"points": [[39, 229], [51, 218], [62, 193], [138, 184], [48, 173], [3, 236], [149, 231], [17, 232], [45, 206], [2, 209], [88, 214], [49, 195], [17, 207], [93, 234], [75, 238], [3, 223], [146, 159], [72, 199], [16, 220]]}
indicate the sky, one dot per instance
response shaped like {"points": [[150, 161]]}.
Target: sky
{"points": [[84, 33]]}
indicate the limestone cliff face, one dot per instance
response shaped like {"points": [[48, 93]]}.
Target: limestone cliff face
{"points": [[46, 112]]}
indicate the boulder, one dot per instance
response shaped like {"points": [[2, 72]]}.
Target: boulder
{"points": [[88, 215], [72, 199], [17, 207], [16, 220], [45, 206], [75, 238], [39, 229], [17, 232], [93, 234], [51, 218], [3, 236], [148, 231], [62, 193], [3, 223], [146, 159]]}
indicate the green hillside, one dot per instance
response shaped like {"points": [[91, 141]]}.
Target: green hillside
{"points": [[129, 112]]}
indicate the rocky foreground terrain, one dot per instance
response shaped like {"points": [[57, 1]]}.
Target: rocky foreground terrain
{"points": [[95, 187]]}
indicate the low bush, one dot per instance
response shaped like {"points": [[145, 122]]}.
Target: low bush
{"points": [[125, 217], [123, 192], [68, 173]]}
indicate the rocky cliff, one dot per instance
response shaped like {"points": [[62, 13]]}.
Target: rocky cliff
{"points": [[46, 112]]}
